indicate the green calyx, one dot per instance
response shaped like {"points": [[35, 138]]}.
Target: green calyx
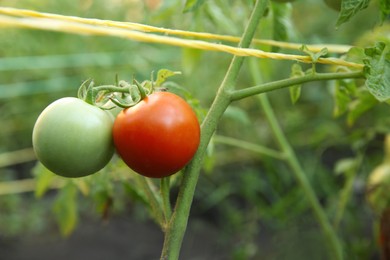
{"points": [[123, 94]]}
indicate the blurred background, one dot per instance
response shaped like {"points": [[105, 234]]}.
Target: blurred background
{"points": [[246, 206]]}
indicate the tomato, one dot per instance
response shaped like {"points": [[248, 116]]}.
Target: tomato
{"points": [[158, 136], [73, 138], [334, 4]]}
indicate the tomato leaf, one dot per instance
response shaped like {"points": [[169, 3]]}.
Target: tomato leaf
{"points": [[377, 71], [163, 74], [43, 178], [344, 91], [295, 91], [82, 185], [355, 54], [350, 8], [65, 209], [192, 5]]}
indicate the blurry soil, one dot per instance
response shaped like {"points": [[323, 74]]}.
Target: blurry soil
{"points": [[119, 238]]}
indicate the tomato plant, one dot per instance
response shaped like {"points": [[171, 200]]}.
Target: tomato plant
{"points": [[73, 138], [158, 136]]}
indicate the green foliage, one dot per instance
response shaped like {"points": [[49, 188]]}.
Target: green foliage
{"points": [[377, 71], [281, 15], [192, 5], [384, 9], [65, 209], [248, 188], [295, 91], [350, 8]]}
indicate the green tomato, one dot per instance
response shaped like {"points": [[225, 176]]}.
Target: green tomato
{"points": [[73, 138], [334, 4]]}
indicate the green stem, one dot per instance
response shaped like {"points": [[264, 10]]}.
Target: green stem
{"points": [[165, 187], [249, 146], [299, 174], [266, 87], [112, 88], [345, 195], [178, 223], [140, 89], [153, 199], [346, 192]]}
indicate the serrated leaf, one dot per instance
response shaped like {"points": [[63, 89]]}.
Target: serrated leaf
{"points": [[65, 209], [192, 5], [295, 91], [163, 74], [350, 8], [355, 54], [377, 71]]}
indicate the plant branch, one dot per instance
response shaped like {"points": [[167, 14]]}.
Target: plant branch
{"points": [[299, 174], [249, 146], [284, 83], [165, 187], [178, 224], [152, 196]]}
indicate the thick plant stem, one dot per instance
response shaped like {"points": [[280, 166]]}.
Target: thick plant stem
{"points": [[299, 174], [178, 223], [270, 86]]}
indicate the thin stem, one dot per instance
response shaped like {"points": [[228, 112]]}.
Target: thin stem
{"points": [[165, 187], [178, 224], [345, 195], [112, 88], [266, 87], [346, 192], [153, 199], [249, 146], [299, 174]]}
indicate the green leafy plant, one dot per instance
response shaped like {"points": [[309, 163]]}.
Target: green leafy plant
{"points": [[360, 81]]}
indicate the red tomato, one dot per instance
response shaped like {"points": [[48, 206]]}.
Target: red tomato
{"points": [[158, 136]]}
